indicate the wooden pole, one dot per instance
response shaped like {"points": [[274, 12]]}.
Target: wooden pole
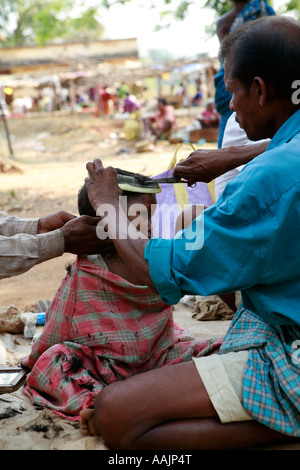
{"points": [[11, 153]]}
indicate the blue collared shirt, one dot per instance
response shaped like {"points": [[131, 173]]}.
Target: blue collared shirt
{"points": [[248, 241]]}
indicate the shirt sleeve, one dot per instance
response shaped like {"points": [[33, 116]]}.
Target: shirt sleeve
{"points": [[11, 225], [218, 253], [20, 252]]}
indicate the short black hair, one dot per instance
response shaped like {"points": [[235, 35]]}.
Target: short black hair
{"points": [[269, 48], [84, 205], [162, 101], [83, 202]]}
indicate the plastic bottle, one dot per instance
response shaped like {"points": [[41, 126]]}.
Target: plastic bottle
{"points": [[30, 321]]}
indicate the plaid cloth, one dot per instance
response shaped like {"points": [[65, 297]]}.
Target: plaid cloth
{"points": [[101, 328], [271, 384]]}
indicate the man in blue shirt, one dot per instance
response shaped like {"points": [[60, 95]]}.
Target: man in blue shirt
{"points": [[247, 235], [248, 241]]}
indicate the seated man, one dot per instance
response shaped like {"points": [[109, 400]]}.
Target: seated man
{"points": [[163, 122], [209, 117], [103, 325]]}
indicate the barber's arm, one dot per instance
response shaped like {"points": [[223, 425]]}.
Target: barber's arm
{"points": [[206, 165]]}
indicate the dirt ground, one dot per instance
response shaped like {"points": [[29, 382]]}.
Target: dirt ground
{"points": [[51, 152]]}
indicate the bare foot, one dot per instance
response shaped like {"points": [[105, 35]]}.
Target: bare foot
{"points": [[87, 422]]}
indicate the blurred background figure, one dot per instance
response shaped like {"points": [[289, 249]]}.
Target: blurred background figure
{"points": [[162, 123], [242, 12]]}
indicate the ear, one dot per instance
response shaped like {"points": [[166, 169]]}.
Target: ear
{"points": [[260, 89]]}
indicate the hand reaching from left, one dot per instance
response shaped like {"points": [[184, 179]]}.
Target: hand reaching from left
{"points": [[81, 236], [54, 221]]}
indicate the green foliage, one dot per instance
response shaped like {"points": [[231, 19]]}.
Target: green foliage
{"points": [[293, 6], [110, 3], [219, 6], [29, 22], [49, 26], [180, 10]]}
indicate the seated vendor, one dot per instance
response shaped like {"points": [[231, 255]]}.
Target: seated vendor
{"points": [[162, 123], [209, 117], [103, 325]]}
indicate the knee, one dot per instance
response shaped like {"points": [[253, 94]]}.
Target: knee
{"points": [[105, 413], [110, 420]]}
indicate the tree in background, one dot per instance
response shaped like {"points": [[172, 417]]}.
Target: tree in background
{"points": [[29, 22], [179, 8], [36, 22]]}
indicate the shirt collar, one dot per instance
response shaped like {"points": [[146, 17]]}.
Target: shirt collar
{"points": [[287, 131]]}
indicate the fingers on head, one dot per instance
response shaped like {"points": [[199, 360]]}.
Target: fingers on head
{"points": [[97, 167], [94, 166]]}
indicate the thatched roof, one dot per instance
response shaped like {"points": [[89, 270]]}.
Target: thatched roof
{"points": [[57, 57]]}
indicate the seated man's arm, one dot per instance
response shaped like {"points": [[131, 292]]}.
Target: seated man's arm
{"points": [[104, 195]]}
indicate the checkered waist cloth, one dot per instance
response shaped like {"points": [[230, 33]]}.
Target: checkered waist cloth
{"points": [[271, 387], [100, 328]]}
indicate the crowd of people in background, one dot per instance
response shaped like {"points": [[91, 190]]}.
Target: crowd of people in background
{"points": [[102, 99]]}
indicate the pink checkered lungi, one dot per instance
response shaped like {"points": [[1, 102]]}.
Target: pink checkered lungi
{"points": [[101, 328]]}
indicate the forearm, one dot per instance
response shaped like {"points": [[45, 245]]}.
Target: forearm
{"points": [[241, 155], [11, 225], [206, 165], [128, 241]]}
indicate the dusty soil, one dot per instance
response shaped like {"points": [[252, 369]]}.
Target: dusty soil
{"points": [[51, 152]]}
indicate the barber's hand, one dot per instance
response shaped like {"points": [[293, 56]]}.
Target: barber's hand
{"points": [[102, 185], [206, 165], [81, 237], [201, 165], [54, 221]]}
